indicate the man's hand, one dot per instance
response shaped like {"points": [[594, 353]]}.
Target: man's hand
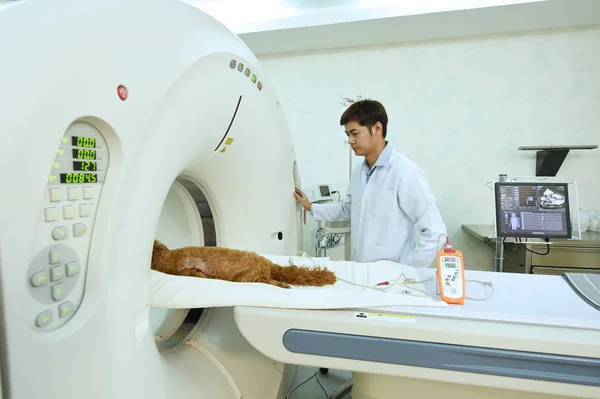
{"points": [[301, 198]]}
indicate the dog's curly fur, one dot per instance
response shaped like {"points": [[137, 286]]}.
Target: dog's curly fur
{"points": [[234, 265]]}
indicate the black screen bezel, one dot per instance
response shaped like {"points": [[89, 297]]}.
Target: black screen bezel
{"points": [[526, 234]]}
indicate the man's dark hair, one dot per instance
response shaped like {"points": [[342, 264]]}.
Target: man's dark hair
{"points": [[366, 113]]}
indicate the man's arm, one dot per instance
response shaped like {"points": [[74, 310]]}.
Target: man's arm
{"points": [[418, 202]]}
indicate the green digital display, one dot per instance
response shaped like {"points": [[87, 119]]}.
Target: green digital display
{"points": [[84, 154], [86, 142], [451, 265], [74, 178], [85, 165]]}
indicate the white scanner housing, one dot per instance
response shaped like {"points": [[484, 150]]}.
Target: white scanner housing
{"points": [[172, 110]]}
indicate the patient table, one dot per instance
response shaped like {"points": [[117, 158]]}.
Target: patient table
{"points": [[534, 338]]}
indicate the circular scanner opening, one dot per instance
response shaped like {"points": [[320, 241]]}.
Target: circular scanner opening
{"points": [[186, 219]]}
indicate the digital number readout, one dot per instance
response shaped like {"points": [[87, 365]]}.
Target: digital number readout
{"points": [[71, 178], [85, 165], [84, 154], [86, 142]]}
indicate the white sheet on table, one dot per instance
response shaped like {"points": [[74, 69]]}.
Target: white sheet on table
{"points": [[182, 292], [517, 298]]}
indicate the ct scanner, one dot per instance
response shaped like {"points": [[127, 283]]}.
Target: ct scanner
{"points": [[123, 121]]}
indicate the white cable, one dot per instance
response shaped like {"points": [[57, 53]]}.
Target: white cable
{"points": [[485, 284], [407, 281], [216, 361]]}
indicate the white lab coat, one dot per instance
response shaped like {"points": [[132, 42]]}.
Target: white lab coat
{"points": [[387, 206]]}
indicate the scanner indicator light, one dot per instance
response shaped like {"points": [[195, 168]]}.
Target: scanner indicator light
{"points": [[122, 92]]}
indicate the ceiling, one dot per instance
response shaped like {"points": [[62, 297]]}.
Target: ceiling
{"points": [[274, 27], [262, 15]]}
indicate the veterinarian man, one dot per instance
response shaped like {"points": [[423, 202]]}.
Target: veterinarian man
{"points": [[388, 199]]}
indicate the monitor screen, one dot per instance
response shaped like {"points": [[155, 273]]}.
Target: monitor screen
{"points": [[324, 191], [532, 210]]}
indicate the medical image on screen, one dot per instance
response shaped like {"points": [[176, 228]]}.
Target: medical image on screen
{"points": [[530, 210], [514, 222], [552, 198]]}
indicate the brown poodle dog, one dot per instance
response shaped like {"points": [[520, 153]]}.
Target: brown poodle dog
{"points": [[234, 265]]}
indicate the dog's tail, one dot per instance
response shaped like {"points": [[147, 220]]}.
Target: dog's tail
{"points": [[305, 276]]}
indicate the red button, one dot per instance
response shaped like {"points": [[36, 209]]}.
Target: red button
{"points": [[122, 92]]}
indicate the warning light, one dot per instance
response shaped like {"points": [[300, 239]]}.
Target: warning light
{"points": [[122, 92]]}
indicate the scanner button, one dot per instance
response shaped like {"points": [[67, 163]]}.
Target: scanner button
{"points": [[57, 273], [59, 233], [88, 192], [453, 290], [85, 210], [50, 214], [68, 211], [58, 292], [73, 193], [55, 194], [65, 309], [44, 318], [40, 278], [54, 256], [72, 268], [79, 229]]}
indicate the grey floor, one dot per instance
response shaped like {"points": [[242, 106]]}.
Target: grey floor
{"points": [[312, 390]]}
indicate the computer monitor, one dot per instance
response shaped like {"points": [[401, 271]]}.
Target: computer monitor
{"points": [[532, 210]]}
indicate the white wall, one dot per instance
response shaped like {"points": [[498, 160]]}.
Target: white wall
{"points": [[459, 109]]}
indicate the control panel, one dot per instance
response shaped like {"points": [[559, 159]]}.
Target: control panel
{"points": [[451, 277], [56, 273]]}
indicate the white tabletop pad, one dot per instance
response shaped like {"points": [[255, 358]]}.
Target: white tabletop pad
{"points": [[520, 298]]}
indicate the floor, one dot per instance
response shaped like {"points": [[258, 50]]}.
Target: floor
{"points": [[311, 388]]}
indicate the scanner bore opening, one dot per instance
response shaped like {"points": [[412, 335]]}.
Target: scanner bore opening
{"points": [[186, 219]]}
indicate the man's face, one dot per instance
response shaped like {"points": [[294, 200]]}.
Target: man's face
{"points": [[360, 138]]}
